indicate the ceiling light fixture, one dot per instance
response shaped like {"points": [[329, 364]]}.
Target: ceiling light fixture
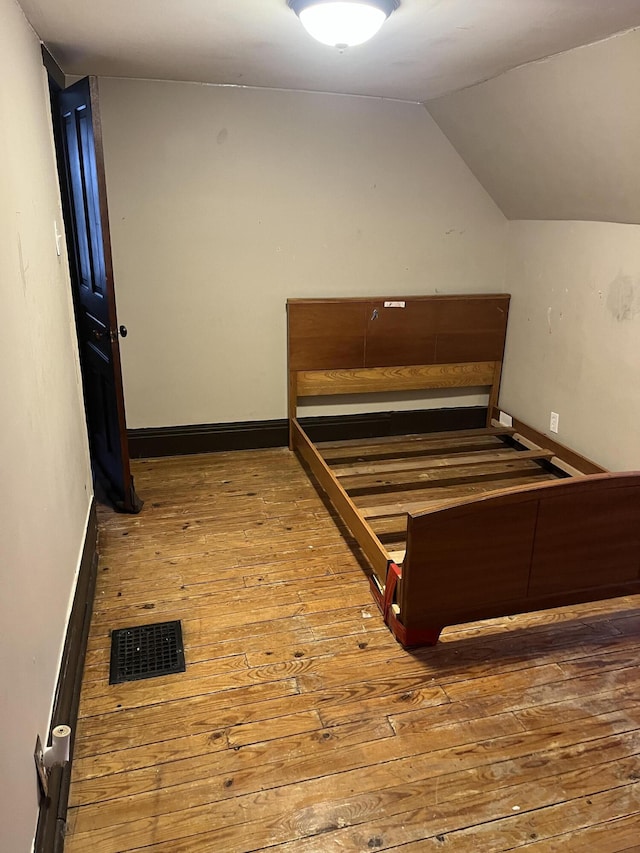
{"points": [[343, 24]]}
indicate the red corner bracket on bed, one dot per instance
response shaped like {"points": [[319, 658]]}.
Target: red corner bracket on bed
{"points": [[385, 601]]}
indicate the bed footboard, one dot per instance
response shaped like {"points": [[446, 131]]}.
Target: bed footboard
{"points": [[520, 550]]}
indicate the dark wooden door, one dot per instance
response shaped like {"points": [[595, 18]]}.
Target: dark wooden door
{"points": [[82, 179]]}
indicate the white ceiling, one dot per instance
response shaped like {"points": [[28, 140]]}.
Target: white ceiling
{"points": [[427, 47]]}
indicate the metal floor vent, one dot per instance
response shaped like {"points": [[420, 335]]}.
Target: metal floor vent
{"points": [[146, 651]]}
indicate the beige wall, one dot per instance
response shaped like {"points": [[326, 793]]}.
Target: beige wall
{"points": [[224, 202], [45, 473], [556, 139], [573, 344]]}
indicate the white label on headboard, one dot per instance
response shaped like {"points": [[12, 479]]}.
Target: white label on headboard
{"points": [[506, 420], [395, 304]]}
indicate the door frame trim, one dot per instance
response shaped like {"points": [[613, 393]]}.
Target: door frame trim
{"points": [[131, 502]]}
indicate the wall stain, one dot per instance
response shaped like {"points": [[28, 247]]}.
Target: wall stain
{"points": [[623, 297], [222, 137]]}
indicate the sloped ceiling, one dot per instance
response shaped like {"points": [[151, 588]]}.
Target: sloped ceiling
{"points": [[557, 139], [426, 49]]}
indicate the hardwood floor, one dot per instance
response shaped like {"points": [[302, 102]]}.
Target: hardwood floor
{"points": [[300, 726]]}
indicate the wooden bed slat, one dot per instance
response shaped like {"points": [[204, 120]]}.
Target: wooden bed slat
{"points": [[430, 436], [373, 446], [447, 477], [478, 459], [439, 498], [392, 528], [318, 383], [427, 452]]}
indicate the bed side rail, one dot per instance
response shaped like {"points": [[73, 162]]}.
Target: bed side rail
{"points": [[365, 536], [539, 439]]}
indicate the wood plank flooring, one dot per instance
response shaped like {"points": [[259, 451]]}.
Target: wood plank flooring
{"points": [[300, 726]]}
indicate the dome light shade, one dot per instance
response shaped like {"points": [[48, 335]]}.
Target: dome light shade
{"points": [[343, 24]]}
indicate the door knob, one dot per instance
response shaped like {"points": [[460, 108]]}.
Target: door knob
{"points": [[123, 331]]}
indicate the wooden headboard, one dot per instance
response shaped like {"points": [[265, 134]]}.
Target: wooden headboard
{"points": [[355, 346]]}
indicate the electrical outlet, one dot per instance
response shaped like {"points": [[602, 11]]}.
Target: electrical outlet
{"points": [[554, 422]]}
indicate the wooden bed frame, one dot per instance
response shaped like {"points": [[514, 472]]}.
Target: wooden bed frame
{"points": [[447, 542]]}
